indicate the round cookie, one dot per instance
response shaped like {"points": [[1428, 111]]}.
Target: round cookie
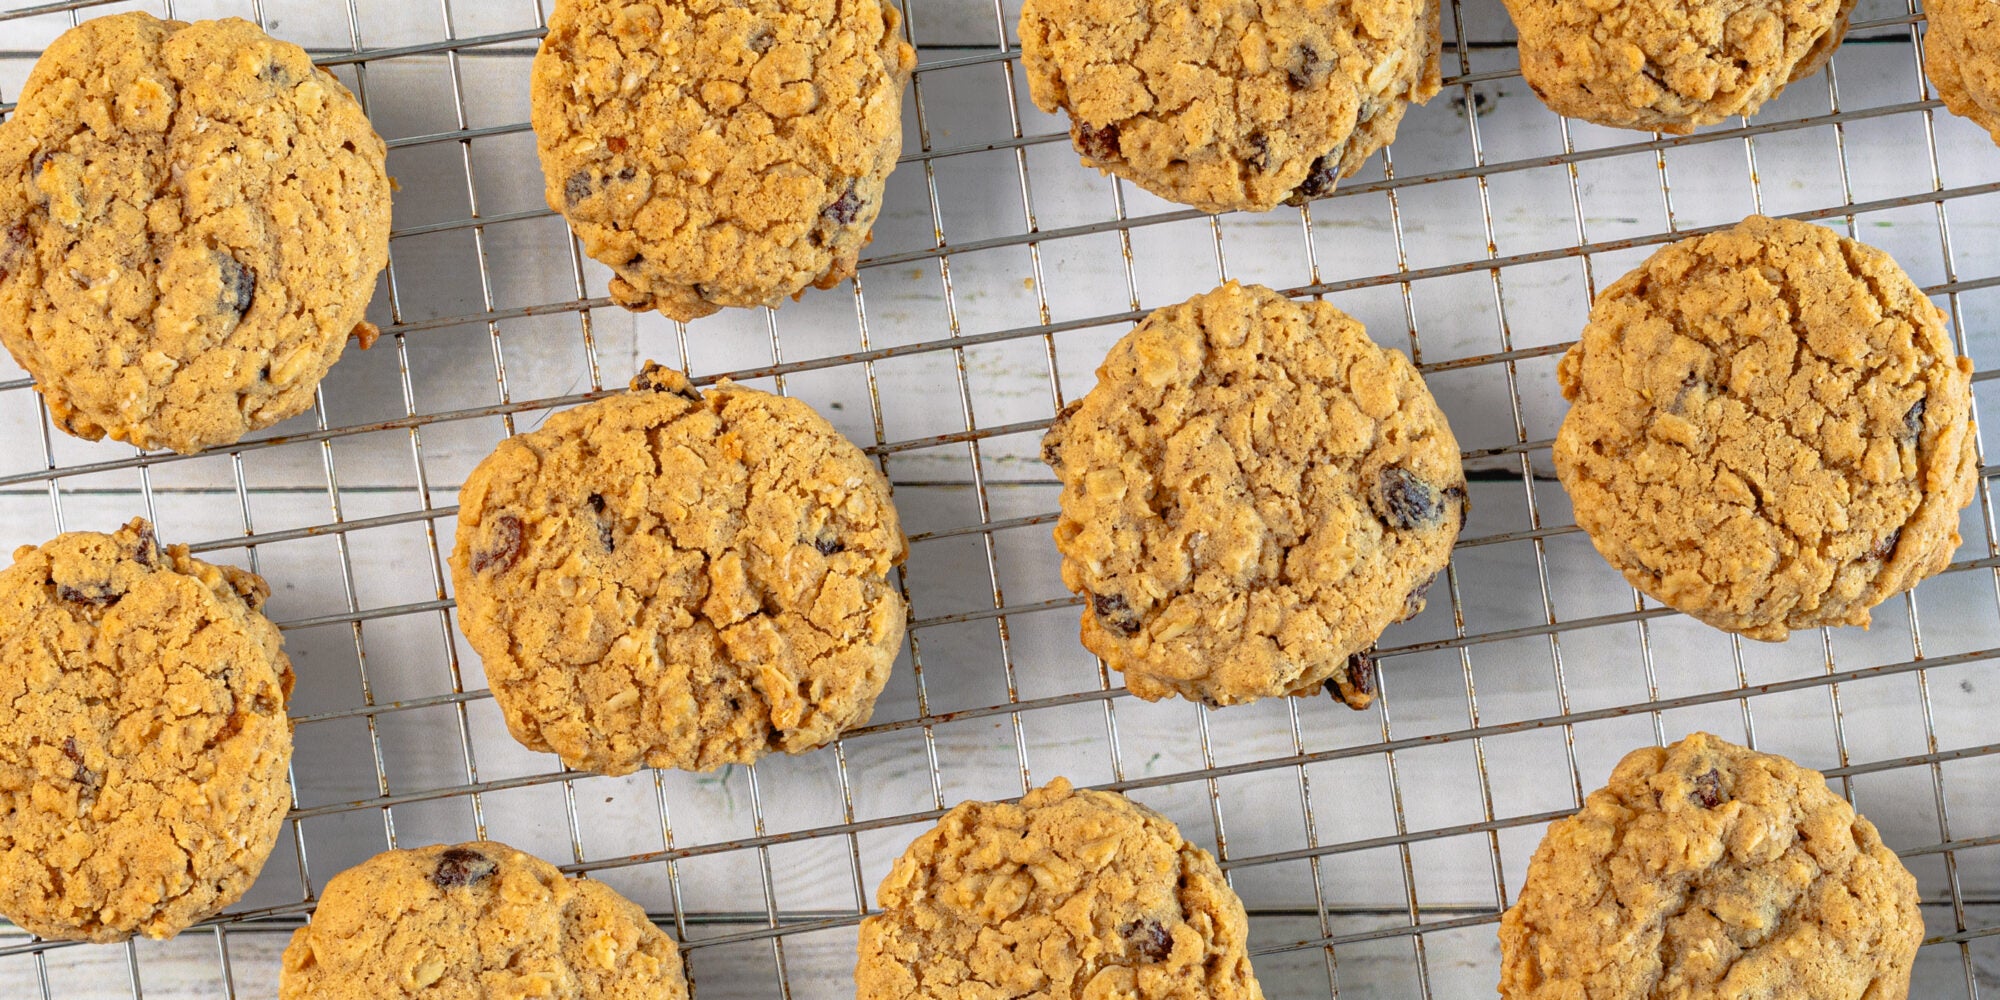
{"points": [[1252, 492], [1769, 429], [1706, 871], [143, 755], [680, 579], [720, 154], [1230, 104], [195, 219], [1068, 894], [476, 920], [1671, 65], [1962, 58]]}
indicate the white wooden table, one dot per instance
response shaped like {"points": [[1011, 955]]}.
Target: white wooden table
{"points": [[1374, 849]]}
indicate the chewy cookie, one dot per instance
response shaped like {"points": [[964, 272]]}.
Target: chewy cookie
{"points": [[680, 579], [1712, 872], [1671, 65], [1769, 429], [1068, 894], [196, 218], [1962, 58], [720, 154], [476, 920], [1250, 495], [1230, 104], [143, 754]]}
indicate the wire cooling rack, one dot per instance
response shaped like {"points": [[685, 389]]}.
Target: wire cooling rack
{"points": [[1374, 850]]}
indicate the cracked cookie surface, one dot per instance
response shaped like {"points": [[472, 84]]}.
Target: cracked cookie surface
{"points": [[143, 759], [1065, 896], [1252, 492], [720, 152], [1769, 429], [1706, 871], [1962, 58], [680, 578], [194, 219], [481, 920], [1230, 104], [1671, 65]]}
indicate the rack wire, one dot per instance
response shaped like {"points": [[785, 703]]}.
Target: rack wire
{"points": [[1374, 850]]}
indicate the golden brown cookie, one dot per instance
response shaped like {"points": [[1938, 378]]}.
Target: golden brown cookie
{"points": [[720, 154], [1769, 429], [1230, 104], [1706, 871], [144, 750], [1671, 65], [478, 920], [194, 218], [1068, 895], [1252, 492], [1962, 58], [680, 579]]}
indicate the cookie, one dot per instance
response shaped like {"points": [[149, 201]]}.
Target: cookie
{"points": [[1769, 429], [1962, 58], [476, 920], [679, 578], [720, 154], [1230, 104], [143, 755], [1068, 894], [1671, 65], [194, 219], [1252, 492], [1710, 872]]}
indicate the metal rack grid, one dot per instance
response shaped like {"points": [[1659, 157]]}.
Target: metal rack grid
{"points": [[1374, 849]]}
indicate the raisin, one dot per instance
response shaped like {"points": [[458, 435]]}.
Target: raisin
{"points": [[829, 545], [760, 40], [578, 187], [616, 144], [506, 550], [1309, 69], [844, 208], [17, 239], [1689, 383], [147, 552], [238, 284], [1260, 159], [1053, 437], [275, 75], [659, 378], [605, 537], [1321, 178], [1883, 548], [1097, 143], [1148, 939], [1404, 501], [96, 595], [1361, 673], [1913, 421], [1115, 613], [1708, 789], [1415, 602], [460, 866], [86, 779]]}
